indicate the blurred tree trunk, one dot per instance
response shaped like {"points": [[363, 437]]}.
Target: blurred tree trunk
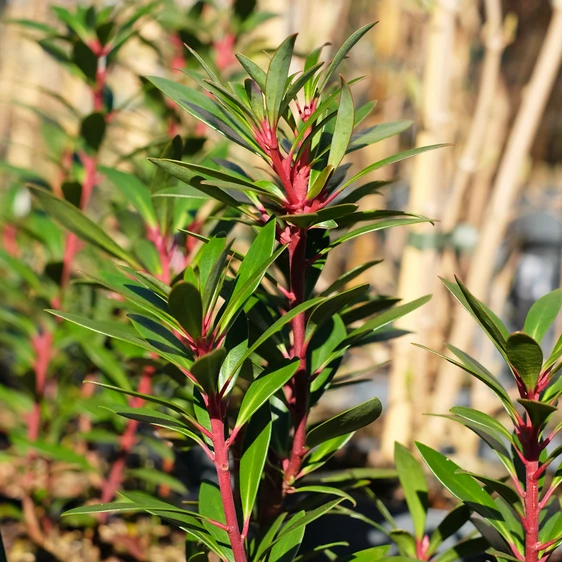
{"points": [[497, 215], [420, 257]]}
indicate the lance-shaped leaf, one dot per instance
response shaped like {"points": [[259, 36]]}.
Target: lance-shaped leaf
{"points": [[344, 127], [185, 305], [265, 386], [489, 322], [377, 133], [326, 310], [276, 79], [115, 330], [351, 420], [384, 319], [451, 523], [134, 191], [542, 314], [207, 369], [253, 70], [539, 412], [211, 506], [74, 220], [525, 357], [462, 486], [414, 485], [342, 53], [254, 454], [390, 160], [288, 546], [205, 109]]}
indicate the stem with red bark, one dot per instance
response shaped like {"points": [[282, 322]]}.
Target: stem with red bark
{"points": [[299, 400], [222, 466]]}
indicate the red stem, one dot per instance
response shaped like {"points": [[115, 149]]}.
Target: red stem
{"points": [[297, 265], [222, 467]]}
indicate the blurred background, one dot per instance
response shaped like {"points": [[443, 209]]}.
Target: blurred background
{"points": [[484, 76]]}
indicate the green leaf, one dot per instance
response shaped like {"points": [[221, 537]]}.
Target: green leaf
{"points": [[75, 221], [299, 521], [525, 357], [254, 71], [542, 314], [321, 455], [265, 386], [343, 128], [342, 53], [368, 555], [375, 227], [112, 329], [276, 79], [351, 420], [384, 319], [479, 312], [207, 369], [474, 368], [348, 277], [329, 490], [377, 133], [463, 550], [211, 506], [54, 451], [539, 412], [254, 454], [405, 542], [332, 305], [134, 192], [483, 419], [390, 160], [285, 549], [504, 490], [450, 524], [461, 485], [185, 305], [267, 538], [414, 486]]}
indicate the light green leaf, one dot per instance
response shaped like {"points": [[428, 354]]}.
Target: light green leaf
{"points": [[377, 133], [542, 314], [134, 191], [75, 221], [414, 486], [343, 128]]}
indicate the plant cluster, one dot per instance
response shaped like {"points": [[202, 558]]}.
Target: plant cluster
{"points": [[236, 350]]}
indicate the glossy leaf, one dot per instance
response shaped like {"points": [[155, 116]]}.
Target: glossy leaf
{"points": [[345, 120], [207, 369], [254, 454], [414, 486], [351, 420], [276, 78], [185, 305], [542, 314], [525, 357], [377, 133], [265, 386], [285, 549]]}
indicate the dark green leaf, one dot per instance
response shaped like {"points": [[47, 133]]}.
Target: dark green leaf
{"points": [[265, 386], [525, 357], [287, 547], [539, 412], [254, 454], [342, 53], [185, 305], [276, 78], [451, 523], [207, 369], [351, 420]]}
